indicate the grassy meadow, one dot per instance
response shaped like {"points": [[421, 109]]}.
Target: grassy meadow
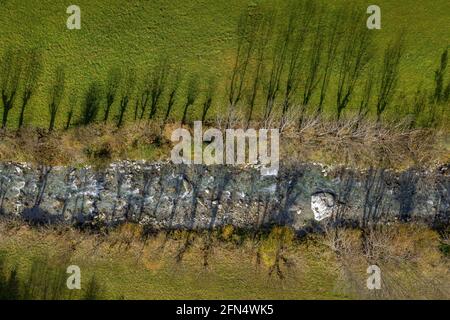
{"points": [[222, 264], [172, 60], [197, 36]]}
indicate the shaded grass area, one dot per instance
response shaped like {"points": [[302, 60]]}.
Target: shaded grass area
{"points": [[227, 263], [199, 35], [134, 270]]}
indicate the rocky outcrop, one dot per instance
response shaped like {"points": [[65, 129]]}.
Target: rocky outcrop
{"points": [[163, 195]]}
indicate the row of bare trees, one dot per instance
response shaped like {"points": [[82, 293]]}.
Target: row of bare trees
{"points": [[297, 61], [18, 68], [302, 59], [20, 73]]}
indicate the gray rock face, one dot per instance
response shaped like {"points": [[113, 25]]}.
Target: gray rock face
{"points": [[163, 195]]}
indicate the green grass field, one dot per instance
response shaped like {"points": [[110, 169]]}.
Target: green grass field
{"points": [[197, 35], [124, 267]]}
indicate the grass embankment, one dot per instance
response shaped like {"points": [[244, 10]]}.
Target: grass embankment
{"points": [[224, 264], [199, 36], [331, 143]]}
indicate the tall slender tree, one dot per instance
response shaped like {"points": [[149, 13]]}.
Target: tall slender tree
{"points": [[56, 95], [332, 40], [263, 39], [127, 92], [439, 74], [297, 33], [247, 30], [31, 76], [175, 81], [389, 75], [91, 104], [210, 91], [191, 96], [112, 87], [279, 56], [353, 60], [10, 73], [157, 86], [312, 75]]}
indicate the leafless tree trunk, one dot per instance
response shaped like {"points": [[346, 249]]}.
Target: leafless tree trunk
{"points": [[172, 96], [389, 75], [114, 79], [127, 92], [212, 83], [365, 98], [91, 104], [192, 94], [332, 40], [312, 78], [354, 58], [263, 38], [297, 33], [439, 77], [277, 66], [11, 69], [247, 30], [157, 87], [72, 104], [56, 95], [142, 98], [418, 106], [32, 73]]}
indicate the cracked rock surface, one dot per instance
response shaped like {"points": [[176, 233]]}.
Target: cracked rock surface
{"points": [[164, 195]]}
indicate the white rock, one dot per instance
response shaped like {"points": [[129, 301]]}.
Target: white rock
{"points": [[322, 204]]}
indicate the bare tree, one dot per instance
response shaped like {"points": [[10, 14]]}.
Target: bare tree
{"points": [[354, 58], [143, 99], [91, 104], [389, 75], [247, 29], [365, 98], [11, 69], [297, 32], [56, 95], [439, 74], [312, 77], [332, 40], [191, 97], [127, 92], [446, 94], [72, 104], [272, 86], [172, 96], [212, 83], [112, 87], [31, 76], [157, 86], [263, 38], [136, 108], [418, 106]]}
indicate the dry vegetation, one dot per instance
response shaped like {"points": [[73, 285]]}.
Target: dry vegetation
{"points": [[95, 144], [130, 262], [357, 144]]}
